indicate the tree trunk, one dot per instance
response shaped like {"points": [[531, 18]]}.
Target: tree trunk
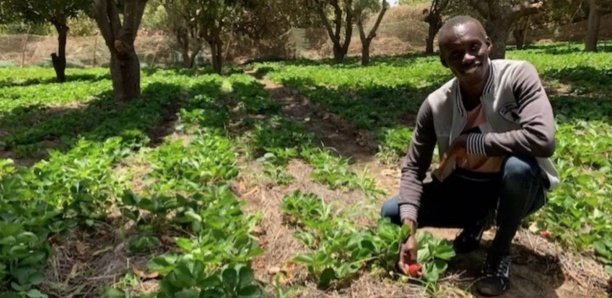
{"points": [[519, 37], [429, 41], [590, 41], [59, 59], [339, 51], [119, 34], [216, 55], [498, 33], [187, 63], [365, 52], [192, 58], [125, 73]]}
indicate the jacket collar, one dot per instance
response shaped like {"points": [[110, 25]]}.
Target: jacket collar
{"points": [[488, 88]]}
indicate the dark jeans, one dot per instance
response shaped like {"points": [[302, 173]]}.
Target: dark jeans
{"points": [[465, 198]]}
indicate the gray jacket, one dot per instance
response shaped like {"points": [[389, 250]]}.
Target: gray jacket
{"points": [[519, 115]]}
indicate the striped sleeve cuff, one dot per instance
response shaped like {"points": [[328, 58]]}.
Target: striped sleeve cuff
{"points": [[476, 144], [408, 211]]}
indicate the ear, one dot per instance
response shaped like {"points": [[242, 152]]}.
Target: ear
{"points": [[489, 44]]}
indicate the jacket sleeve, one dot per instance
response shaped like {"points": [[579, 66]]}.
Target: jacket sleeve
{"points": [[416, 163], [536, 137]]}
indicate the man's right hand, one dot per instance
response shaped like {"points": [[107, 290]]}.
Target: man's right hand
{"points": [[408, 251]]}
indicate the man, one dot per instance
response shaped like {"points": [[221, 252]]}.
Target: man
{"points": [[494, 128]]}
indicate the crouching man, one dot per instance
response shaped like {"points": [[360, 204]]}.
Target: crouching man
{"points": [[494, 128]]}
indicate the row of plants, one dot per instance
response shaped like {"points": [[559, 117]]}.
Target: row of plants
{"points": [[40, 204], [186, 189], [340, 249], [188, 196]]}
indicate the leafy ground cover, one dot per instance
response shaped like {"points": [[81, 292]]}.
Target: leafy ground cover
{"points": [[148, 194]]}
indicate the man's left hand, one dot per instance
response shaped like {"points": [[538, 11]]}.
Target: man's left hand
{"points": [[456, 153]]}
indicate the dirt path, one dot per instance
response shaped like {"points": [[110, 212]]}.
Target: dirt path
{"points": [[540, 268]]}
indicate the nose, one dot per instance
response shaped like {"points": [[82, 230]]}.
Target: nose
{"points": [[468, 58]]}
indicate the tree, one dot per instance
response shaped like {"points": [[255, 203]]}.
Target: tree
{"points": [[118, 21], [433, 17], [362, 10], [500, 16], [183, 21], [265, 26], [340, 13], [520, 32], [56, 12], [596, 9]]}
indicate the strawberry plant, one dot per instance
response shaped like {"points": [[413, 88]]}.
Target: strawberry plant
{"points": [[341, 249], [334, 171]]}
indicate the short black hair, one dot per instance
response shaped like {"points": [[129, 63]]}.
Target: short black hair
{"points": [[459, 20]]}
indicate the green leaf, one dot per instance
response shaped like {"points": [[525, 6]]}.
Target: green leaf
{"points": [[230, 277], [250, 291], [245, 277], [327, 276], [113, 293], [163, 264], [34, 293], [305, 259], [187, 293]]}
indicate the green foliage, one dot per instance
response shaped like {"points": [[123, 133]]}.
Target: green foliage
{"points": [[185, 189], [155, 16], [370, 98], [340, 249], [51, 197], [208, 159], [24, 28], [82, 25], [394, 144], [334, 172]]}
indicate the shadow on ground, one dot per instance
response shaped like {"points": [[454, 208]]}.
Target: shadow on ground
{"points": [[28, 133], [53, 80], [532, 274], [582, 79]]}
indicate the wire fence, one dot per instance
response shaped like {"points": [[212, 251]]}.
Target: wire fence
{"points": [[159, 49], [398, 34]]}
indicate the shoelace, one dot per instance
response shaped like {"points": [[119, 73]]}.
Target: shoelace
{"points": [[498, 266]]}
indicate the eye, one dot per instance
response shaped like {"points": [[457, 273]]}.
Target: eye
{"points": [[475, 47], [456, 55]]}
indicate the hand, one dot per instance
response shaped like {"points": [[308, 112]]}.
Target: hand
{"points": [[458, 147], [455, 153], [407, 254]]}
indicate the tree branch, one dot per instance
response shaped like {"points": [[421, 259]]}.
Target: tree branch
{"points": [[381, 14], [325, 21], [526, 8], [480, 6], [101, 17], [337, 19], [348, 30]]}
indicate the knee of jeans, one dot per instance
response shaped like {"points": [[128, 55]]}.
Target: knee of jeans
{"points": [[389, 208], [518, 169]]}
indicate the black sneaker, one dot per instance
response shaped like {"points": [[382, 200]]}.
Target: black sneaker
{"points": [[469, 239], [496, 275]]}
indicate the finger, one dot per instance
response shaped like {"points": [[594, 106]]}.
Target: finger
{"points": [[402, 267]]}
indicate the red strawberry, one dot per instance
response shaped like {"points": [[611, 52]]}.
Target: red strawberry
{"points": [[414, 270], [545, 234]]}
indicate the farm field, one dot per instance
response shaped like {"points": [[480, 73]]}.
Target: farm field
{"points": [[268, 182]]}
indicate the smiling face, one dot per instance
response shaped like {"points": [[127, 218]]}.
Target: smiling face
{"points": [[464, 48]]}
